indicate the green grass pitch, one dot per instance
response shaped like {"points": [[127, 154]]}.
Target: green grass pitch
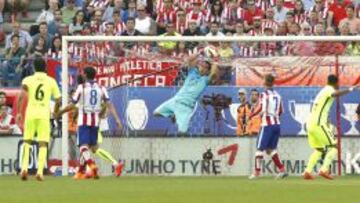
{"points": [[179, 189]]}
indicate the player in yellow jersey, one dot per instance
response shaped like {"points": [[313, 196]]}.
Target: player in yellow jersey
{"points": [[39, 88], [320, 134]]}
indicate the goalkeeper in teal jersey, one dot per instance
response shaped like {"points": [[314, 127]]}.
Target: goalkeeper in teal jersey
{"points": [[181, 106], [320, 133]]}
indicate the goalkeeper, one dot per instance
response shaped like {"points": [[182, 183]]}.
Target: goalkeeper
{"points": [[320, 134], [181, 106]]}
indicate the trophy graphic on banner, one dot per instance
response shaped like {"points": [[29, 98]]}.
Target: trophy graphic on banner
{"points": [[137, 114], [300, 114], [350, 115]]}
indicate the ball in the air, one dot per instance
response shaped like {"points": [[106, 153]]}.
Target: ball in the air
{"points": [[211, 51]]}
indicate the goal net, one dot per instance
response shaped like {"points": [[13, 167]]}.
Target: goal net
{"points": [[141, 73]]}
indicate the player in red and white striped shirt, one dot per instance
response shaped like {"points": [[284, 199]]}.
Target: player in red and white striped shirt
{"points": [[270, 109], [89, 98]]}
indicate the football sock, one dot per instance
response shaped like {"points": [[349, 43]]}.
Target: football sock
{"points": [[42, 159], [106, 156], [330, 156], [314, 158], [25, 158], [276, 159], [84, 152], [258, 161]]}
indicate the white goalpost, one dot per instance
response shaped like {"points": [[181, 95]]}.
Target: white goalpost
{"points": [[68, 39]]}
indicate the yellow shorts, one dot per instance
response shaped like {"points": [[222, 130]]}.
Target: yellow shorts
{"points": [[40, 127], [100, 137], [321, 136]]}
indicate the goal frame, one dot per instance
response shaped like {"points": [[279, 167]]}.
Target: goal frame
{"points": [[64, 62]]}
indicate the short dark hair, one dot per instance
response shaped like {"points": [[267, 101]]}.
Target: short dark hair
{"points": [[39, 64], [43, 23], [254, 90], [131, 19], [80, 79], [2, 93], [269, 80], [13, 36], [90, 73], [332, 79]]}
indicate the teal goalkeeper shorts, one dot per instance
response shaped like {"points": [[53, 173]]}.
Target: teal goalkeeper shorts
{"points": [[180, 110]]}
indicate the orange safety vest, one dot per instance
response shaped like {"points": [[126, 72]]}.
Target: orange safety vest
{"points": [[243, 113], [254, 124]]}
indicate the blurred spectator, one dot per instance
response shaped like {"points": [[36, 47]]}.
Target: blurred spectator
{"points": [[196, 14], [193, 30], [282, 29], [268, 21], [40, 48], [214, 14], [7, 121], [308, 4], [254, 123], [358, 112], [24, 37], [299, 12], [16, 6], [306, 29], [214, 30], [3, 102], [118, 6], [77, 22], [2, 5], [280, 11], [243, 113], [11, 69], [239, 29], [250, 13], [268, 48], [68, 11], [96, 23], [55, 49], [130, 31], [97, 5], [118, 23], [130, 12], [345, 29], [48, 15], [352, 20], [109, 29], [144, 23], [165, 14], [43, 32], [353, 49], [168, 46], [294, 29], [181, 23], [320, 8], [256, 29], [225, 51], [319, 30], [337, 12], [54, 26], [330, 31]]}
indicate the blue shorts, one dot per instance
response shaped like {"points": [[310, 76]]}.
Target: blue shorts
{"points": [[268, 137], [87, 135], [180, 110]]}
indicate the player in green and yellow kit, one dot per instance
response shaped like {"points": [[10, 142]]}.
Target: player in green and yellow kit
{"points": [[39, 88], [320, 134]]}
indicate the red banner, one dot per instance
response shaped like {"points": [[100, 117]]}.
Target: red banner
{"points": [[297, 71], [127, 71]]}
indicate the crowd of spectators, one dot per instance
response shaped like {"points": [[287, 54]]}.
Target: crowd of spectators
{"points": [[176, 18]]}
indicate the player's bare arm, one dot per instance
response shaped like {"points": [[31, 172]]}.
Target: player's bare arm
{"points": [[214, 72], [66, 109], [113, 112], [339, 93], [20, 105]]}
